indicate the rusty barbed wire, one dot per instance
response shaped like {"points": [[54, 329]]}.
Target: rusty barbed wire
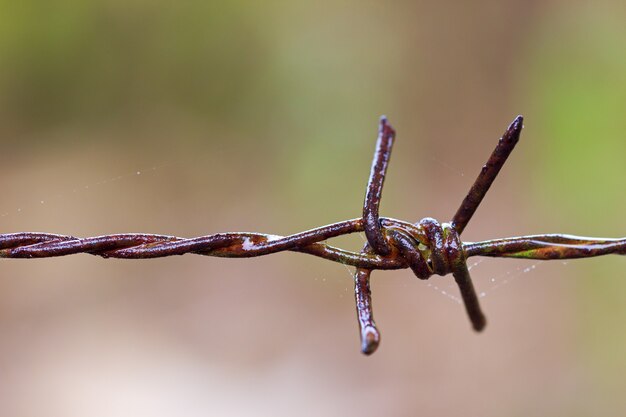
{"points": [[427, 247]]}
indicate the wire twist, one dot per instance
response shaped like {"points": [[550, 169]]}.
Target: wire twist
{"points": [[427, 247]]}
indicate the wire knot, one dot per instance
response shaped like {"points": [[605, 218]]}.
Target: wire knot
{"points": [[430, 248]]}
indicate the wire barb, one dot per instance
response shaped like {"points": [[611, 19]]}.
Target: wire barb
{"points": [[370, 336], [488, 174], [373, 229], [427, 247]]}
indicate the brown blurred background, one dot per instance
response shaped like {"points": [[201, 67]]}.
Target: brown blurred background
{"points": [[190, 118]]}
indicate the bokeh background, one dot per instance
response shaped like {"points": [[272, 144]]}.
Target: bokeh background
{"points": [[191, 118]]}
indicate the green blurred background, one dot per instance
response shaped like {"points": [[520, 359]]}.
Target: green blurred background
{"points": [[190, 118]]}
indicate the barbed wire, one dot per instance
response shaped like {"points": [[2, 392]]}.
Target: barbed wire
{"points": [[427, 247]]}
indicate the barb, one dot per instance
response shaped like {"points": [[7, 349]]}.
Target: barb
{"points": [[426, 247], [373, 229], [487, 175], [370, 336]]}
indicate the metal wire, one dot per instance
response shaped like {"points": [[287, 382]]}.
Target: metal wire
{"points": [[427, 247]]}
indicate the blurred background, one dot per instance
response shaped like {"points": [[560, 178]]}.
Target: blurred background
{"points": [[191, 118]]}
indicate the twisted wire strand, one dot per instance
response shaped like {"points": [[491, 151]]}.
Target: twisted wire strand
{"points": [[248, 245], [427, 247]]}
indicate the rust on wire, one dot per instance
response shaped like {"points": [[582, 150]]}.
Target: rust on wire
{"points": [[426, 247]]}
